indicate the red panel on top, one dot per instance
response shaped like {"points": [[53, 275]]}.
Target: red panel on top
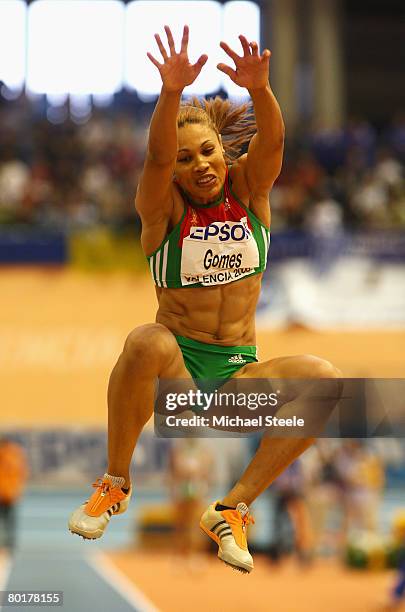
{"points": [[229, 210]]}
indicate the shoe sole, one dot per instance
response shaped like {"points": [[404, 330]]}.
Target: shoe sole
{"points": [[238, 568], [85, 535], [233, 563], [227, 559], [81, 535]]}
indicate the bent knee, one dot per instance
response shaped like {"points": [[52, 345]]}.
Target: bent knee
{"points": [[315, 367], [148, 343]]}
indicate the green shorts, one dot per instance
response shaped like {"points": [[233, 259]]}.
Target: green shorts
{"points": [[210, 361]]}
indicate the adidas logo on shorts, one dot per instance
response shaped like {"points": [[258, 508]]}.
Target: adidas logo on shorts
{"points": [[237, 359]]}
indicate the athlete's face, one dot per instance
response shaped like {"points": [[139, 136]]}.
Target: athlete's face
{"points": [[200, 167]]}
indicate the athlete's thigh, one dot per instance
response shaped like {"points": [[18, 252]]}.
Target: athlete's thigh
{"points": [[296, 366], [310, 369], [154, 351], [174, 378], [175, 368]]}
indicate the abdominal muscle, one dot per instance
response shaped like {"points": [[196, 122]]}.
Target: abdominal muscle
{"points": [[223, 315]]}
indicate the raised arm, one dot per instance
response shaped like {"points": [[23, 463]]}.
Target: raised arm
{"points": [[262, 163], [153, 200]]}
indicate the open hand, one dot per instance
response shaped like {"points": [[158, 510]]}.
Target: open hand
{"points": [[176, 70], [252, 70]]}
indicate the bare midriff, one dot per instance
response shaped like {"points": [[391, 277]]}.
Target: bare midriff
{"points": [[223, 315]]}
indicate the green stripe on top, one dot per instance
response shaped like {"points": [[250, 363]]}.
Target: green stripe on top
{"points": [[165, 262]]}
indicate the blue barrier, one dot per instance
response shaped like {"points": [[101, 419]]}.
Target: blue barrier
{"points": [[32, 247], [378, 244], [29, 246]]}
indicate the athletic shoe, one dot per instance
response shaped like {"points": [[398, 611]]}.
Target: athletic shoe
{"points": [[91, 518], [228, 529]]}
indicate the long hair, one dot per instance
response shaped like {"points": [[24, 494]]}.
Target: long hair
{"points": [[234, 122]]}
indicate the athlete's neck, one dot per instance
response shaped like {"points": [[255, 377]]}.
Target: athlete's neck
{"points": [[218, 199]]}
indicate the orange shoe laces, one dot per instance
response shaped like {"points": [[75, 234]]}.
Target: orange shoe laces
{"points": [[105, 486], [102, 484], [103, 498], [246, 517]]}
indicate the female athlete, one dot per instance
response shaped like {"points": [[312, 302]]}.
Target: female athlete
{"points": [[205, 231]]}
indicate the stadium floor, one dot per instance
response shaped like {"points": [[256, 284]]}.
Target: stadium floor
{"points": [[127, 581], [326, 586], [115, 575]]}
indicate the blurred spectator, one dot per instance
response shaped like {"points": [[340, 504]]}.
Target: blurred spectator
{"points": [[362, 476], [395, 136], [388, 170], [289, 491], [397, 594], [370, 201], [329, 147], [191, 471], [13, 475], [324, 493], [361, 137], [14, 176], [325, 217], [345, 476]]}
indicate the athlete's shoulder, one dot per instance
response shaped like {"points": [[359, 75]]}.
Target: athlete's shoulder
{"points": [[237, 178], [257, 200], [179, 204]]}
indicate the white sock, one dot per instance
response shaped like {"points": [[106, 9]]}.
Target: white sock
{"points": [[116, 481]]}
